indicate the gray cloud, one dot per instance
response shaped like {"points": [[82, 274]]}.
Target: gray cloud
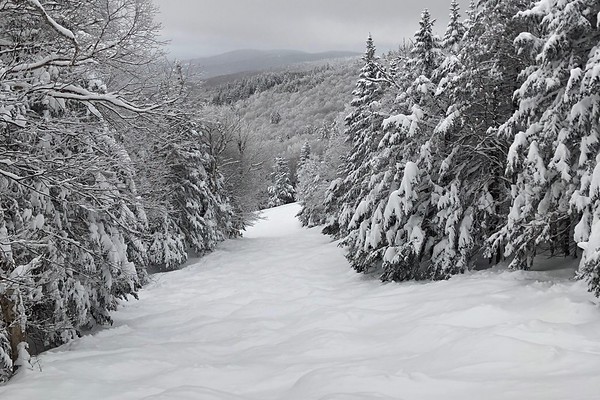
{"points": [[207, 27]]}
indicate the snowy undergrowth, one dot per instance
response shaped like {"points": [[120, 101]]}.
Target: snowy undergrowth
{"points": [[279, 315]]}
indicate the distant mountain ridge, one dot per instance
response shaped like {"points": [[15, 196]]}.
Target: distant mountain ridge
{"points": [[239, 61]]}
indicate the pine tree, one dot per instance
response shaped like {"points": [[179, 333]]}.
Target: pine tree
{"points": [[471, 12], [309, 181], [80, 227], [281, 190], [426, 49], [316, 176], [455, 30], [189, 210], [430, 202], [399, 229], [362, 131], [397, 140], [552, 158], [305, 153], [204, 212], [74, 234], [587, 114], [470, 190]]}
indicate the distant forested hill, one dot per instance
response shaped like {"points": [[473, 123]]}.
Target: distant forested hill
{"points": [[300, 109], [238, 61], [283, 110]]}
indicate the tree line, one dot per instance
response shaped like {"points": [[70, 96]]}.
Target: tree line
{"points": [[475, 148], [107, 169]]}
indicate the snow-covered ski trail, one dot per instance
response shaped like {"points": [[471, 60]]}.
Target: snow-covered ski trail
{"points": [[279, 315]]}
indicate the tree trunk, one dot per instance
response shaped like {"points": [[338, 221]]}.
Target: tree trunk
{"points": [[15, 332]]}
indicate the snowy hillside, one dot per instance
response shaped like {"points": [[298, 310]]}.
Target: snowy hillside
{"points": [[259, 60], [278, 315]]}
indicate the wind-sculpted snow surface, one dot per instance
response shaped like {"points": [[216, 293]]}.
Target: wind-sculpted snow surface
{"points": [[279, 315]]}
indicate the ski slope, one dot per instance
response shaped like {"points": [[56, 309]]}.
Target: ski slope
{"points": [[279, 315]]}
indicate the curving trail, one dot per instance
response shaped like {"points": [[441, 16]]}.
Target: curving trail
{"points": [[279, 315]]}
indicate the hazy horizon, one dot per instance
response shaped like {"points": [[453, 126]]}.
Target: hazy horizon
{"points": [[203, 28], [278, 50]]}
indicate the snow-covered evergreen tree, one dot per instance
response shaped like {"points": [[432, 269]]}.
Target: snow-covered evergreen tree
{"points": [[397, 231], [309, 181], [315, 177], [553, 156], [281, 190], [80, 229], [455, 29], [203, 211], [426, 51], [305, 152], [188, 207], [363, 132], [436, 182], [471, 12], [470, 190]]}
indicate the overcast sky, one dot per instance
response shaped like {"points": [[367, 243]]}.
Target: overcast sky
{"points": [[208, 27]]}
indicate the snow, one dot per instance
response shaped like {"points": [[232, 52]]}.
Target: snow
{"points": [[58, 27], [525, 37], [581, 233], [513, 152], [537, 163], [574, 80], [38, 222], [5, 246], [279, 314], [592, 246], [595, 182], [399, 120], [400, 201], [447, 123]]}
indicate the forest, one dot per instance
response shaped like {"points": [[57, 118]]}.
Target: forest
{"points": [[469, 150], [446, 155], [107, 170]]}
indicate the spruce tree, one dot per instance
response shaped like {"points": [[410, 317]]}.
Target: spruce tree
{"points": [[305, 152], [363, 132], [470, 190], [553, 156], [281, 190], [455, 29], [189, 210], [315, 177], [471, 12], [426, 49], [401, 223], [309, 181]]}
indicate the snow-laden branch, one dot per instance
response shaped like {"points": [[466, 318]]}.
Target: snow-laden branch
{"points": [[10, 175], [57, 27], [387, 78], [67, 33], [73, 92], [56, 60]]}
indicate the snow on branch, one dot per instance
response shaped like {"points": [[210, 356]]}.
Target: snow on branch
{"points": [[73, 92], [54, 59], [10, 175], [56, 26]]}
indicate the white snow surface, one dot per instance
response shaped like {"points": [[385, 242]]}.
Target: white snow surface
{"points": [[278, 314]]}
